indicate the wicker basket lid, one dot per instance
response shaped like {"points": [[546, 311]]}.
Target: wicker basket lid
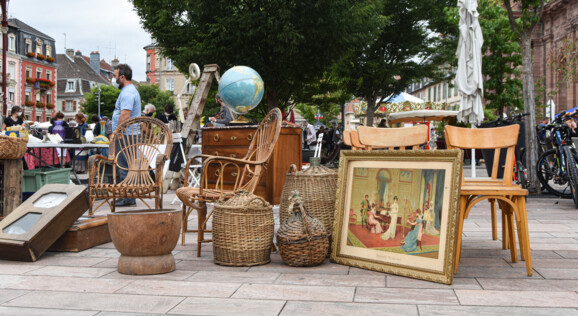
{"points": [[244, 199], [312, 171]]}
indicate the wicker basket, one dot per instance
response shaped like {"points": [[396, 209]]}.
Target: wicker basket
{"points": [[302, 240], [243, 229], [318, 188], [12, 147]]}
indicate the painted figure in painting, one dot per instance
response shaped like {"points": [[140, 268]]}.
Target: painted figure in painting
{"points": [[365, 206], [375, 226], [413, 238], [429, 219], [390, 233]]}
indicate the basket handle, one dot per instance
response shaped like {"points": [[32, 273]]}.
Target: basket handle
{"points": [[260, 199], [292, 168], [308, 229]]}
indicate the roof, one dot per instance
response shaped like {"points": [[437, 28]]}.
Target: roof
{"points": [[103, 64], [151, 45], [77, 69], [27, 28]]}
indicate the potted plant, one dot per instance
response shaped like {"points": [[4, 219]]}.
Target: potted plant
{"points": [[31, 54], [50, 106], [30, 80], [50, 59], [29, 103], [40, 57], [40, 104]]}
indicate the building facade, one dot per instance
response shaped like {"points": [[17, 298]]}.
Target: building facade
{"points": [[78, 75], [438, 92], [31, 71], [161, 71]]}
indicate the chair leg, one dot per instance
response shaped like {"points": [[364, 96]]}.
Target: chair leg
{"points": [[185, 224], [462, 209], [525, 239], [494, 221], [505, 241], [511, 235], [202, 215]]}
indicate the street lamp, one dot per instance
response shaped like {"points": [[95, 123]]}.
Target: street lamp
{"points": [[4, 4]]}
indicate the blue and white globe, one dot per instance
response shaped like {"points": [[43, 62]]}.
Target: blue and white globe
{"points": [[241, 89]]}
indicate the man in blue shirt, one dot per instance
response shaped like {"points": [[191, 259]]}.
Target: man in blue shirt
{"points": [[128, 105]]}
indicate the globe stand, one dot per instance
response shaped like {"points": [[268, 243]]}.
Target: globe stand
{"points": [[241, 120]]}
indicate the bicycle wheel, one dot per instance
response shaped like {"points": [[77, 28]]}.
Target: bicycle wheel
{"points": [[572, 173], [522, 175], [551, 175]]}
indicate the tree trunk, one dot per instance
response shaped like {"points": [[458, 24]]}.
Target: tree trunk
{"points": [[370, 111], [529, 107], [272, 100]]}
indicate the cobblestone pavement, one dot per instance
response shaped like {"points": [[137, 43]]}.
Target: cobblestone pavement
{"points": [[488, 283]]}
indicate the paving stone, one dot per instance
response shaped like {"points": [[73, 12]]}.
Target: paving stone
{"points": [[553, 246], [529, 285], [359, 271], [571, 274], [97, 302], [551, 240], [7, 295], [278, 266], [405, 296], [494, 272], [177, 275], [82, 272], [568, 254], [216, 306], [295, 292], [234, 277], [92, 252], [550, 263], [394, 281], [53, 260], [69, 284], [175, 288], [332, 280], [441, 310], [126, 314], [483, 262], [204, 265], [107, 263], [518, 298], [22, 311], [339, 309], [7, 280], [13, 268], [192, 255]]}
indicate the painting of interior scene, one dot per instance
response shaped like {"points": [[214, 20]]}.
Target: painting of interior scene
{"points": [[397, 210]]}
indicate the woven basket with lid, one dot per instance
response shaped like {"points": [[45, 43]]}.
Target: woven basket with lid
{"points": [[302, 240], [243, 229], [12, 147], [318, 188]]}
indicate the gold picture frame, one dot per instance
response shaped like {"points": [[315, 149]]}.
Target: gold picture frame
{"points": [[393, 226]]}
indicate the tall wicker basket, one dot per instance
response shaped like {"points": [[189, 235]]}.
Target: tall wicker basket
{"points": [[243, 229], [318, 188], [302, 239], [12, 147]]}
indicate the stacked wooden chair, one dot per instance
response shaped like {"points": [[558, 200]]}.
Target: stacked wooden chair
{"points": [[248, 171]]}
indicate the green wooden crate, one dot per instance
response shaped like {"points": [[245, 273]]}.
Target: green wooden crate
{"points": [[35, 179]]}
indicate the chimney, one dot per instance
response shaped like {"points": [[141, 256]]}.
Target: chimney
{"points": [[70, 53], [78, 53], [114, 63], [95, 61]]}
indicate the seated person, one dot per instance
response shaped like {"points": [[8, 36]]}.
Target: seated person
{"points": [[168, 115], [15, 118]]}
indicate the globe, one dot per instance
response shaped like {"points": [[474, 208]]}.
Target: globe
{"points": [[241, 89]]}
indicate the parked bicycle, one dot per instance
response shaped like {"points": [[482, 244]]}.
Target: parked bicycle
{"points": [[557, 167]]}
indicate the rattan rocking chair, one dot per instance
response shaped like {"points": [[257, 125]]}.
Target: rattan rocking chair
{"points": [[146, 143], [248, 170]]}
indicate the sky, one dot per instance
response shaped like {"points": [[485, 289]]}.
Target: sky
{"points": [[111, 27]]}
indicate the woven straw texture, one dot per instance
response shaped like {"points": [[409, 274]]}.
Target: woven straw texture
{"points": [[12, 147], [243, 229], [302, 240], [318, 187]]}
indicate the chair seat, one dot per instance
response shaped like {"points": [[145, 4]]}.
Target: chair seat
{"points": [[491, 189], [188, 194]]}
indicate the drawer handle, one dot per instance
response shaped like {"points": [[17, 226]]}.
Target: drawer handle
{"points": [[233, 156], [216, 137], [217, 172], [250, 137], [234, 174], [216, 153], [233, 137]]}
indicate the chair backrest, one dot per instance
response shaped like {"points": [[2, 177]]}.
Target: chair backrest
{"points": [[260, 149], [347, 137], [355, 143], [374, 137], [487, 138], [141, 139]]}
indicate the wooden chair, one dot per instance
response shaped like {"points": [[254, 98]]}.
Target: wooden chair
{"points": [[146, 144], [351, 138], [390, 138], [510, 197], [248, 170]]}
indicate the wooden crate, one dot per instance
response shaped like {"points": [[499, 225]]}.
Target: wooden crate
{"points": [[10, 185], [85, 233]]}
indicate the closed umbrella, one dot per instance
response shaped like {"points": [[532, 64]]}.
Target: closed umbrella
{"points": [[469, 75]]}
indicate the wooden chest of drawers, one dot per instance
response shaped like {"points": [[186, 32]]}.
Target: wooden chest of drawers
{"points": [[233, 141]]}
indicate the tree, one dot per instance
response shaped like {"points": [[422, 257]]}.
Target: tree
{"points": [[108, 96], [152, 94], [289, 43], [401, 50], [522, 27]]}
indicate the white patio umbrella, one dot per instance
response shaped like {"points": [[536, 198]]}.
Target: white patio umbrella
{"points": [[469, 75]]}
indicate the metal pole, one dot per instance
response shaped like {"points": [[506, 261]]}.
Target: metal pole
{"points": [[99, 101], [4, 48]]}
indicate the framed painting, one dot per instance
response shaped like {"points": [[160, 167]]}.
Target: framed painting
{"points": [[401, 218]]}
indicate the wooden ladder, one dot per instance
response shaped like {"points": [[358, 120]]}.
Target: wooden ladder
{"points": [[198, 104]]}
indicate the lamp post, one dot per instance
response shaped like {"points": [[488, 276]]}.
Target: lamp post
{"points": [[4, 4]]}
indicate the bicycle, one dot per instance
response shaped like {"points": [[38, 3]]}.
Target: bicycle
{"points": [[557, 169]]}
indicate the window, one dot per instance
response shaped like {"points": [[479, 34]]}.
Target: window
{"points": [[435, 93], [38, 96], [28, 45], [48, 50], [148, 62], [38, 72], [39, 44], [169, 65], [48, 75], [11, 94], [429, 94], [190, 88], [38, 118], [455, 87], [148, 80], [68, 106], [28, 72], [170, 85], [439, 92], [70, 86], [444, 86], [27, 96], [12, 70], [11, 42]]}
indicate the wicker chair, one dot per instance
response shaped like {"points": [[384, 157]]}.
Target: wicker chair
{"points": [[145, 150], [248, 169]]}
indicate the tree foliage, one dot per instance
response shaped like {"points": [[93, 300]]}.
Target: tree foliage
{"points": [[108, 96], [152, 94], [401, 51], [289, 43]]}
